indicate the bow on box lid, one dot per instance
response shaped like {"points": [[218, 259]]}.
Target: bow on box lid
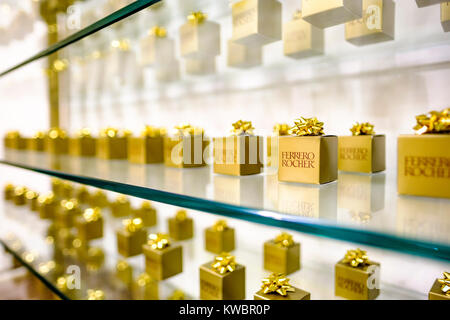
{"points": [[95, 295], [133, 225], [158, 241], [277, 283], [150, 131], [181, 215], [12, 134], [55, 133], [362, 129], [241, 127], [433, 122], [158, 31], [83, 133], [224, 263], [185, 129], [307, 127], [445, 283], [114, 133], [281, 129], [220, 226], [39, 135], [197, 17], [48, 198], [92, 214], [356, 258], [284, 240]]}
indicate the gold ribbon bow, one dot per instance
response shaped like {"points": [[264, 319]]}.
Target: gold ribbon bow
{"points": [[224, 263], [158, 31], [362, 129], [122, 44], [95, 295], [281, 129], [46, 198], [158, 241], [55, 133], [185, 129], [12, 134], [220, 226], [284, 240], [433, 122], [242, 127], [307, 127], [31, 195], [277, 283], [177, 295], [445, 283], [69, 204], [356, 258], [92, 214], [197, 17], [133, 225], [19, 191], [39, 135], [143, 280], [150, 131], [181, 215], [84, 133]]}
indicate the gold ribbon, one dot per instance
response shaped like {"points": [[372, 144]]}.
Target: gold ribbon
{"points": [[12, 134], [92, 214], [95, 295], [143, 280], [307, 127], [84, 133], [121, 199], [122, 45], [284, 240], [69, 204], [20, 191], [185, 129], [433, 122], [47, 198], [281, 129], [224, 263], [133, 225], [31, 195], [146, 205], [158, 31], [197, 17], [362, 129], [445, 283], [242, 127], [55, 133], [220, 226], [39, 135], [113, 132], [150, 131], [356, 258], [277, 283], [181, 215], [158, 241]]}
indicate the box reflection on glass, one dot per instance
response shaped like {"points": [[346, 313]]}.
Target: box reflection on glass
{"points": [[424, 158], [243, 56], [185, 147], [57, 141], [199, 38], [90, 224], [277, 287], [8, 192], [147, 213], [256, 22], [148, 148], [356, 277], [327, 13], [282, 254], [131, 238], [222, 279], [181, 227], [32, 200], [145, 288], [121, 207], [219, 238], [99, 199], [14, 140], [280, 129], [376, 25], [445, 16], [426, 3], [441, 288], [112, 144], [309, 156], [169, 72], [19, 196], [200, 67], [47, 206], [301, 39], [156, 47], [162, 259], [364, 151], [235, 190], [37, 142], [83, 144], [124, 272], [239, 154], [67, 213]]}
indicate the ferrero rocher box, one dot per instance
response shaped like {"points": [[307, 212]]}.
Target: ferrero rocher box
{"points": [[148, 148], [112, 144], [256, 22], [89, 225], [426, 3], [57, 142], [131, 238], [157, 48], [376, 25], [282, 254], [424, 165], [219, 238], [243, 56], [445, 16], [277, 287], [297, 294], [14, 140], [83, 144], [301, 39], [327, 13], [441, 288], [200, 67], [163, 263], [37, 142], [364, 153], [181, 227]]}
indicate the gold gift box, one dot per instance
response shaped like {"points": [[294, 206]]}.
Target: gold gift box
{"points": [[147, 213], [200, 67], [301, 39], [57, 142], [68, 211], [124, 272], [14, 140], [281, 259], [199, 39], [37, 142], [238, 155], [365, 153], [308, 159], [99, 199], [82, 195], [296, 294], [243, 56], [423, 165], [376, 25], [227, 286], [47, 206], [445, 16], [8, 192], [89, 225], [163, 263], [157, 48], [148, 148], [437, 292], [185, 151], [328, 13], [62, 189], [145, 288], [19, 196], [112, 144], [219, 238], [426, 3], [256, 22], [181, 227], [83, 145], [32, 200], [121, 207], [129, 242]]}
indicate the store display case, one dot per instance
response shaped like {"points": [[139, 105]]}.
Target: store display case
{"points": [[166, 79]]}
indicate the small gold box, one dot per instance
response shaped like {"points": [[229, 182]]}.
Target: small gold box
{"points": [[426, 3], [146, 149], [445, 16], [82, 146], [32, 200], [301, 39], [281, 259], [328, 13], [147, 213], [242, 56], [8, 192], [297, 294], [163, 263], [124, 272], [199, 39], [37, 142], [376, 25], [238, 155], [365, 153], [129, 244], [423, 165], [99, 199], [47, 206], [181, 227], [227, 286], [57, 142], [256, 22], [62, 189], [157, 48], [19, 196], [14, 140], [121, 207], [89, 225], [440, 289], [185, 151], [200, 67], [82, 195], [112, 144], [219, 238], [145, 288], [68, 211], [308, 159]]}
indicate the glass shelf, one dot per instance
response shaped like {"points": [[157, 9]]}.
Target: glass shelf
{"points": [[358, 208]]}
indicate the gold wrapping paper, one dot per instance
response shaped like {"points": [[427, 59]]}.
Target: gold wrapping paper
{"points": [[47, 206], [441, 288], [8, 192], [328, 13], [121, 207], [112, 144], [19, 196], [14, 140], [282, 254]]}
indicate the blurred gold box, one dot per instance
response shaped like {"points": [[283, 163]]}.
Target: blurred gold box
{"points": [[256, 22], [129, 244], [376, 25], [67, 213], [37, 143], [238, 155], [120, 207], [436, 292], [200, 67], [424, 165], [298, 294], [164, 263], [89, 230], [144, 150], [227, 286], [310, 159], [147, 214], [353, 283], [181, 229], [58, 145], [111, 147], [19, 198], [445, 16], [47, 209], [328, 13], [281, 259], [32, 200], [426, 3], [301, 39], [82, 146], [243, 56], [366, 153], [218, 241], [14, 140], [200, 40], [185, 151], [145, 288]]}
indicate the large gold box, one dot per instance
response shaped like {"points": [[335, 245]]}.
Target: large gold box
{"points": [[185, 151], [298, 294], [310, 159], [376, 25], [227, 286], [301, 39], [181, 229], [445, 16], [145, 150], [424, 165], [436, 292], [426, 3], [238, 155], [243, 56], [280, 259], [218, 241], [129, 244], [365, 153], [353, 283], [84, 146], [200, 40], [164, 263], [256, 22], [327, 13], [112, 147], [200, 67]]}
